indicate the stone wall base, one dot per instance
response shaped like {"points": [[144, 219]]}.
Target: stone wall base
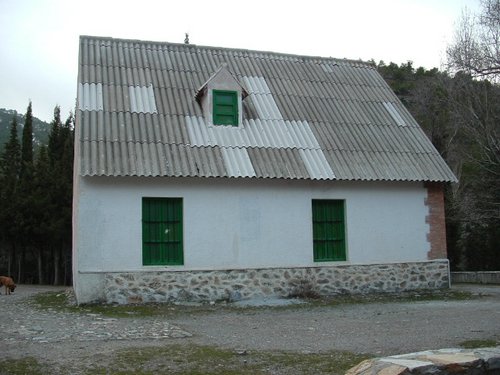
{"points": [[233, 285]]}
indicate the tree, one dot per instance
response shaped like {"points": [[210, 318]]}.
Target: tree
{"points": [[60, 155], [475, 53], [475, 111], [461, 116], [476, 46], [27, 146], [400, 78], [66, 199], [10, 162], [42, 210], [27, 222], [36, 203]]}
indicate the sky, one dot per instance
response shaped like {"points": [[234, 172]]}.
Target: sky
{"points": [[39, 38]]}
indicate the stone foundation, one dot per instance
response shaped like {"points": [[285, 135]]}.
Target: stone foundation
{"points": [[233, 285]]}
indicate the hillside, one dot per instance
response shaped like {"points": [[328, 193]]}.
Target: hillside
{"points": [[41, 128]]}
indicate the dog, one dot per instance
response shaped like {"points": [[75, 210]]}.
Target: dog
{"points": [[8, 283]]}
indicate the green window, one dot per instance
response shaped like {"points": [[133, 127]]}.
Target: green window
{"points": [[225, 109], [328, 230], [162, 231]]}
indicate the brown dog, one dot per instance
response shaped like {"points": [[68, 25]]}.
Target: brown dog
{"points": [[9, 284]]}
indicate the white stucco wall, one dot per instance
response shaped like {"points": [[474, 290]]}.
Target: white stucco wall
{"points": [[246, 223]]}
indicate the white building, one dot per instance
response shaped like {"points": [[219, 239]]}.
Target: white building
{"points": [[206, 173]]}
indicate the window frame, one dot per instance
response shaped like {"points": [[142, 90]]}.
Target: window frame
{"points": [[216, 108], [334, 239], [169, 245]]}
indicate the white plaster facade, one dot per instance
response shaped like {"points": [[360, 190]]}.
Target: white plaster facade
{"points": [[242, 224]]}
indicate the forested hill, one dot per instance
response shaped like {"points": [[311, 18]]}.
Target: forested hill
{"points": [[40, 128]]}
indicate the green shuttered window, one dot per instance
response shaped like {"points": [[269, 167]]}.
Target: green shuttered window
{"points": [[225, 111], [328, 230], [162, 231]]}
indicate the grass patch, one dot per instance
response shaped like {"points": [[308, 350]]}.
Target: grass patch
{"points": [[59, 301], [51, 300], [195, 359], [22, 366], [474, 344], [184, 359], [334, 362], [410, 296]]}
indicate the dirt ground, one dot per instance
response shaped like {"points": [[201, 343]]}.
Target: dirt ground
{"points": [[375, 328]]}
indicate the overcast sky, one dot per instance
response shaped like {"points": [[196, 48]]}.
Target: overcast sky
{"points": [[39, 38]]}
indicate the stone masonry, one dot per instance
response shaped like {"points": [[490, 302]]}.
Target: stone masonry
{"points": [[233, 285]]}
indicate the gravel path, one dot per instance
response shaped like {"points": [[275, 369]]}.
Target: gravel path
{"points": [[376, 328]]}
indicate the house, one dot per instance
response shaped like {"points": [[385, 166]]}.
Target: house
{"points": [[206, 173]]}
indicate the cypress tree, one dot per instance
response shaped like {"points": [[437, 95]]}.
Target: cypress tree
{"points": [[26, 222], [10, 162], [27, 146], [67, 134], [60, 171], [42, 210], [55, 147]]}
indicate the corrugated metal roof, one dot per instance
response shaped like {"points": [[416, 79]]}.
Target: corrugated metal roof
{"points": [[316, 164], [90, 95], [252, 133], [394, 113], [262, 98], [142, 99], [304, 117], [237, 162]]}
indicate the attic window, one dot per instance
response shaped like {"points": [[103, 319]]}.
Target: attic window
{"points": [[225, 108]]}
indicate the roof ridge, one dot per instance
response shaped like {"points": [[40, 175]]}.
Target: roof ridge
{"points": [[367, 64]]}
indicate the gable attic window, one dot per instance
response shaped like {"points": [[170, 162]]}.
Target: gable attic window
{"points": [[225, 107], [220, 99]]}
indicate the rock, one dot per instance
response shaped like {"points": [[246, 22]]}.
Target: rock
{"points": [[361, 368], [442, 362]]}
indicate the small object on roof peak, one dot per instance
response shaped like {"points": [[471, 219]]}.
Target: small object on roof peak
{"points": [[186, 39]]}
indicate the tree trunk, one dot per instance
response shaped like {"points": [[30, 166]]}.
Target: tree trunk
{"points": [[19, 265], [56, 267], [40, 267], [67, 268], [9, 262]]}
